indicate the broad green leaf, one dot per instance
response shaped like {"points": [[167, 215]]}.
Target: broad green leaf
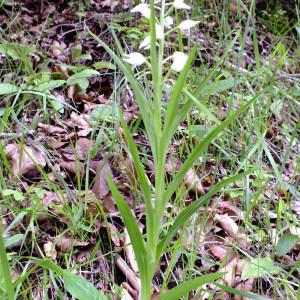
{"points": [[104, 113], [16, 194], [9, 241], [50, 85], [286, 243], [104, 65], [57, 105], [259, 267], [184, 216], [16, 51], [189, 285], [76, 52], [80, 288], [84, 74], [219, 86], [7, 88]]}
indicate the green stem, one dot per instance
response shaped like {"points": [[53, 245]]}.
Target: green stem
{"points": [[5, 266]]}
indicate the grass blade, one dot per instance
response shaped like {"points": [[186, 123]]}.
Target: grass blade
{"points": [[193, 207], [135, 235], [202, 146], [189, 285], [143, 181], [247, 295]]}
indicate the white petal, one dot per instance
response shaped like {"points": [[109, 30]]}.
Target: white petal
{"points": [[134, 58], [179, 60], [157, 1], [168, 22], [187, 25], [159, 31], [145, 44], [179, 4], [143, 9]]}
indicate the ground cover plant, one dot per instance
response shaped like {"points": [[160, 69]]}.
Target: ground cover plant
{"points": [[149, 150]]}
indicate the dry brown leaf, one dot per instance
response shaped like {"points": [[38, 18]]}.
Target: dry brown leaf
{"points": [[108, 204], [131, 277], [228, 224], [65, 244], [25, 159], [193, 182], [229, 208], [49, 249], [129, 253], [101, 169], [220, 251], [296, 206], [72, 166], [229, 270], [82, 148], [50, 129], [114, 235]]}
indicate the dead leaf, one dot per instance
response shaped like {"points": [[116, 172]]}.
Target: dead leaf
{"points": [[227, 224], [129, 253], [101, 169], [108, 204], [132, 278], [82, 148], [25, 159], [229, 270], [221, 252], [65, 244], [193, 182], [49, 249], [50, 129]]}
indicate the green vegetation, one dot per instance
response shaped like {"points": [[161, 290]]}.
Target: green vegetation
{"points": [[149, 157]]}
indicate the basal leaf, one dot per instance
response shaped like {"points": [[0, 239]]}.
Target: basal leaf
{"points": [[259, 267], [80, 288], [286, 243], [84, 74], [7, 88]]}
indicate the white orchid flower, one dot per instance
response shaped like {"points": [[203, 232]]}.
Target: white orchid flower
{"points": [[187, 25], [145, 44], [159, 30], [169, 22], [179, 4], [143, 9], [134, 58], [179, 60]]}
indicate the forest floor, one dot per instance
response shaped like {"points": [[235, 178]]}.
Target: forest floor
{"points": [[60, 94]]}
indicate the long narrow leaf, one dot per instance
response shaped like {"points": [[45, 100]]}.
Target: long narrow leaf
{"points": [[142, 179], [142, 101], [189, 285], [247, 295], [184, 216], [199, 149], [135, 235]]}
